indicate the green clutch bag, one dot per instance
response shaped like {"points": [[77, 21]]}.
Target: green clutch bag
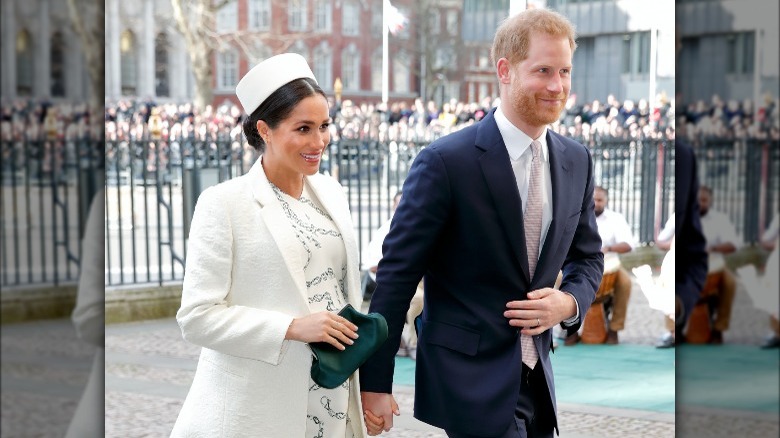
{"points": [[332, 367]]}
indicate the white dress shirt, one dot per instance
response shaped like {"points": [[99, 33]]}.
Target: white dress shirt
{"points": [[718, 229], [614, 229], [518, 145]]}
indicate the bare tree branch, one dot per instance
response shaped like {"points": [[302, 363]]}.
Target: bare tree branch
{"points": [[92, 35]]}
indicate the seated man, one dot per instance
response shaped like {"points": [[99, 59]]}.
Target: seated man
{"points": [[721, 237], [616, 238]]}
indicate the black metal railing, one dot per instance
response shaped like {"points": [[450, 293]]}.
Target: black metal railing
{"points": [[744, 175], [152, 185], [47, 187]]}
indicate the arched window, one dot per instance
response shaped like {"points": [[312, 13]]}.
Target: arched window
{"points": [[323, 65], [161, 47], [24, 63], [260, 53], [128, 63], [300, 48], [58, 65], [350, 68], [401, 63]]}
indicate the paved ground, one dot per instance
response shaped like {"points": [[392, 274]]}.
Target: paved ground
{"points": [[149, 369]]}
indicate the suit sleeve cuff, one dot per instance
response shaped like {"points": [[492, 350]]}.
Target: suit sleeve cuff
{"points": [[574, 319]]}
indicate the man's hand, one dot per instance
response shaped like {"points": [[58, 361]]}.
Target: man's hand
{"points": [[381, 406], [543, 309]]}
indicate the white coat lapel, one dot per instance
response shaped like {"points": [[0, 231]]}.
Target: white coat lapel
{"points": [[279, 227], [339, 212]]}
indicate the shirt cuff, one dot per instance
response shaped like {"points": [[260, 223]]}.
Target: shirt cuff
{"points": [[573, 320]]}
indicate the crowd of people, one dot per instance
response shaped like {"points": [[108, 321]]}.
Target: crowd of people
{"points": [[129, 119]]}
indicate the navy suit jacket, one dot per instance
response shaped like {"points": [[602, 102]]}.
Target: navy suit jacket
{"points": [[460, 225]]}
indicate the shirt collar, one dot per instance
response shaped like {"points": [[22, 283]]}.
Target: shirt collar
{"points": [[517, 142]]}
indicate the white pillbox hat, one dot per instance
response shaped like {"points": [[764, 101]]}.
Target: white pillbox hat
{"points": [[268, 76]]}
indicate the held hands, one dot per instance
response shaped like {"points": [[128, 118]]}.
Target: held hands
{"points": [[323, 327], [543, 309], [378, 411]]}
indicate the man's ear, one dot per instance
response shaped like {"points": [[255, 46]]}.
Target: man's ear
{"points": [[503, 70]]}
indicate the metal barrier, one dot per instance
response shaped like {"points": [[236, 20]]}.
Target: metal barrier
{"points": [[47, 187], [744, 175], [152, 185]]}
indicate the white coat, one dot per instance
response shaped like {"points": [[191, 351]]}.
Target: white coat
{"points": [[243, 286]]}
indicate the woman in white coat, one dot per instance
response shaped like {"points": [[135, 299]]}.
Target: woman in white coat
{"points": [[272, 257]]}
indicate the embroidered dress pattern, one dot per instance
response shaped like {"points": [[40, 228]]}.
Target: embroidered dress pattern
{"points": [[325, 274]]}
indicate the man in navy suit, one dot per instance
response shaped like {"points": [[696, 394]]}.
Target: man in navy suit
{"points": [[463, 224]]}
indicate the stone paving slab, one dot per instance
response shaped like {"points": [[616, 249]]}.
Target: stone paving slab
{"points": [[149, 368]]}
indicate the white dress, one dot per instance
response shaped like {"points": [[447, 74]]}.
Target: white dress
{"points": [[326, 272]]}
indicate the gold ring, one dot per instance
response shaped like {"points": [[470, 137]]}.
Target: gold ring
{"points": [[538, 322]]}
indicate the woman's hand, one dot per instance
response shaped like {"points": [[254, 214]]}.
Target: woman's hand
{"points": [[323, 327], [374, 425]]}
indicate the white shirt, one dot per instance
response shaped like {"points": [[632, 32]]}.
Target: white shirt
{"points": [[518, 144], [614, 229], [718, 229]]}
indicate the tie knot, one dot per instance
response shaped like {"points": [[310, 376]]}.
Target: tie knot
{"points": [[536, 148]]}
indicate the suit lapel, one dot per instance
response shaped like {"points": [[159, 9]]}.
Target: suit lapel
{"points": [[500, 179], [279, 227], [560, 179]]}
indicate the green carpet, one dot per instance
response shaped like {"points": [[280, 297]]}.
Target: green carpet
{"points": [[619, 376], [623, 376], [733, 377]]}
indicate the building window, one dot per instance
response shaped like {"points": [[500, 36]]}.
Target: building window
{"points": [[300, 48], [24, 64], [376, 21], [452, 22], [296, 15], [444, 58], [323, 13], [376, 70], [740, 52], [483, 91], [227, 69], [434, 22], [401, 64], [350, 66], [636, 53], [260, 14], [350, 18], [259, 53], [58, 65], [161, 47], [128, 63], [323, 66], [227, 17], [484, 58]]}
